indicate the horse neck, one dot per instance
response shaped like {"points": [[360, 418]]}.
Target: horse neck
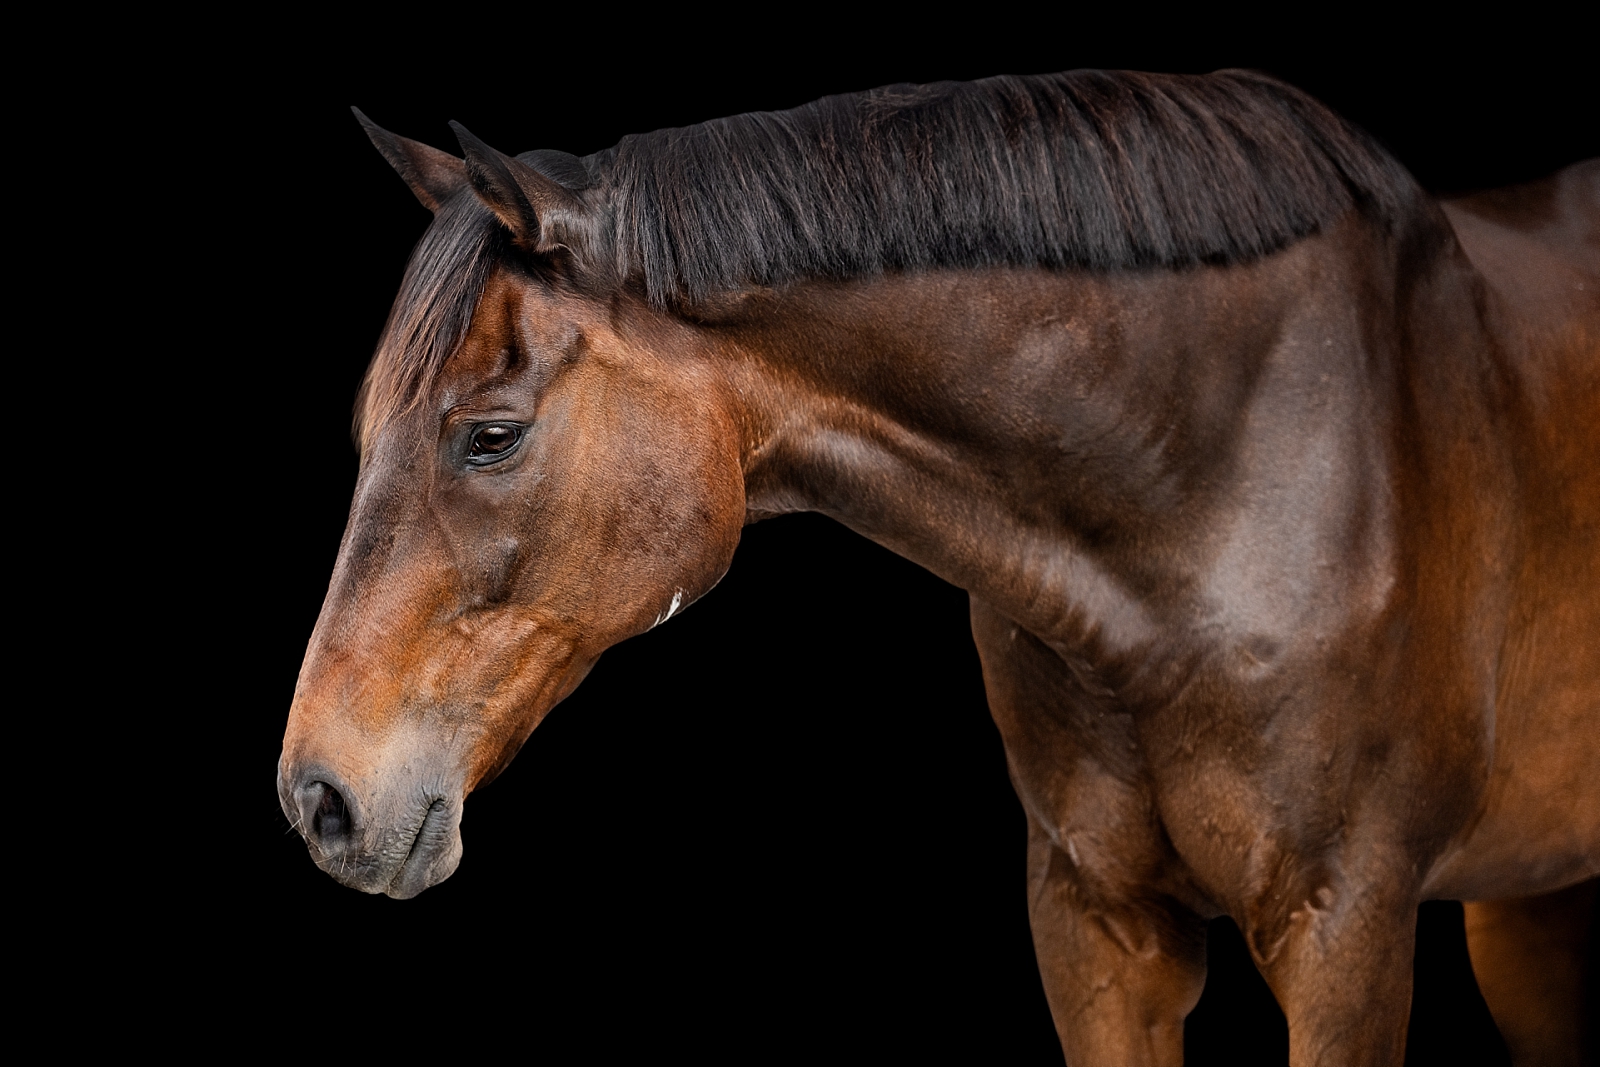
{"points": [[1085, 452]]}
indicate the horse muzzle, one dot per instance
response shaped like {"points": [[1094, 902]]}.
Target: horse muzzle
{"points": [[398, 844]]}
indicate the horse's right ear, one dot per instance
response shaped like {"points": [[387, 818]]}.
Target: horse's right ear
{"points": [[434, 176]]}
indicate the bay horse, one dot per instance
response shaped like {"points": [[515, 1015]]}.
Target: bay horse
{"points": [[1272, 482]]}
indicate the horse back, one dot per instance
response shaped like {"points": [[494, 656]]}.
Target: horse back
{"points": [[1537, 250], [1537, 247]]}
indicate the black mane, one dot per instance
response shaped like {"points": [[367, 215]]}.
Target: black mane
{"points": [[1089, 169]]}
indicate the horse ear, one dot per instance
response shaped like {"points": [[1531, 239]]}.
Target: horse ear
{"points": [[434, 176], [535, 208]]}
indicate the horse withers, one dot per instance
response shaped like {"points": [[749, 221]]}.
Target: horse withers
{"points": [[1270, 479]]}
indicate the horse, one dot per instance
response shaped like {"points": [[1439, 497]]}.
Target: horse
{"points": [[1269, 478]]}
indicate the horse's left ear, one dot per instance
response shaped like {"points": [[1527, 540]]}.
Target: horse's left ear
{"points": [[539, 211], [433, 176]]}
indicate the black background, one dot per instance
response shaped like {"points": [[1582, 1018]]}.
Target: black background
{"points": [[779, 826]]}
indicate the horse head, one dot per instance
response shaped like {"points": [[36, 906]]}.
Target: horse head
{"points": [[546, 469]]}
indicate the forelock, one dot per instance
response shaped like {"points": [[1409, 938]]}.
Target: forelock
{"points": [[443, 284]]}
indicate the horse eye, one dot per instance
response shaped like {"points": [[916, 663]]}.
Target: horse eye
{"points": [[490, 442]]}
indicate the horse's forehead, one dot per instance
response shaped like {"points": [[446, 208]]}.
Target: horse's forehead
{"points": [[517, 312]]}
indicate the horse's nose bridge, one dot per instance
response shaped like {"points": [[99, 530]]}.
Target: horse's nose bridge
{"points": [[371, 654], [388, 514], [385, 605]]}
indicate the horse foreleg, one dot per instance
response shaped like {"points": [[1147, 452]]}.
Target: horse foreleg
{"points": [[1122, 962], [1529, 956], [1339, 962], [1118, 981]]}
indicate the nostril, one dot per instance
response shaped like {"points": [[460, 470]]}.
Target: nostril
{"points": [[330, 820]]}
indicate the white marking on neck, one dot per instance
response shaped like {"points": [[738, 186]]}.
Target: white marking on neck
{"points": [[672, 609]]}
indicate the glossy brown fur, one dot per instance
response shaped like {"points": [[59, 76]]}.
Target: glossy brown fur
{"points": [[1282, 577]]}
